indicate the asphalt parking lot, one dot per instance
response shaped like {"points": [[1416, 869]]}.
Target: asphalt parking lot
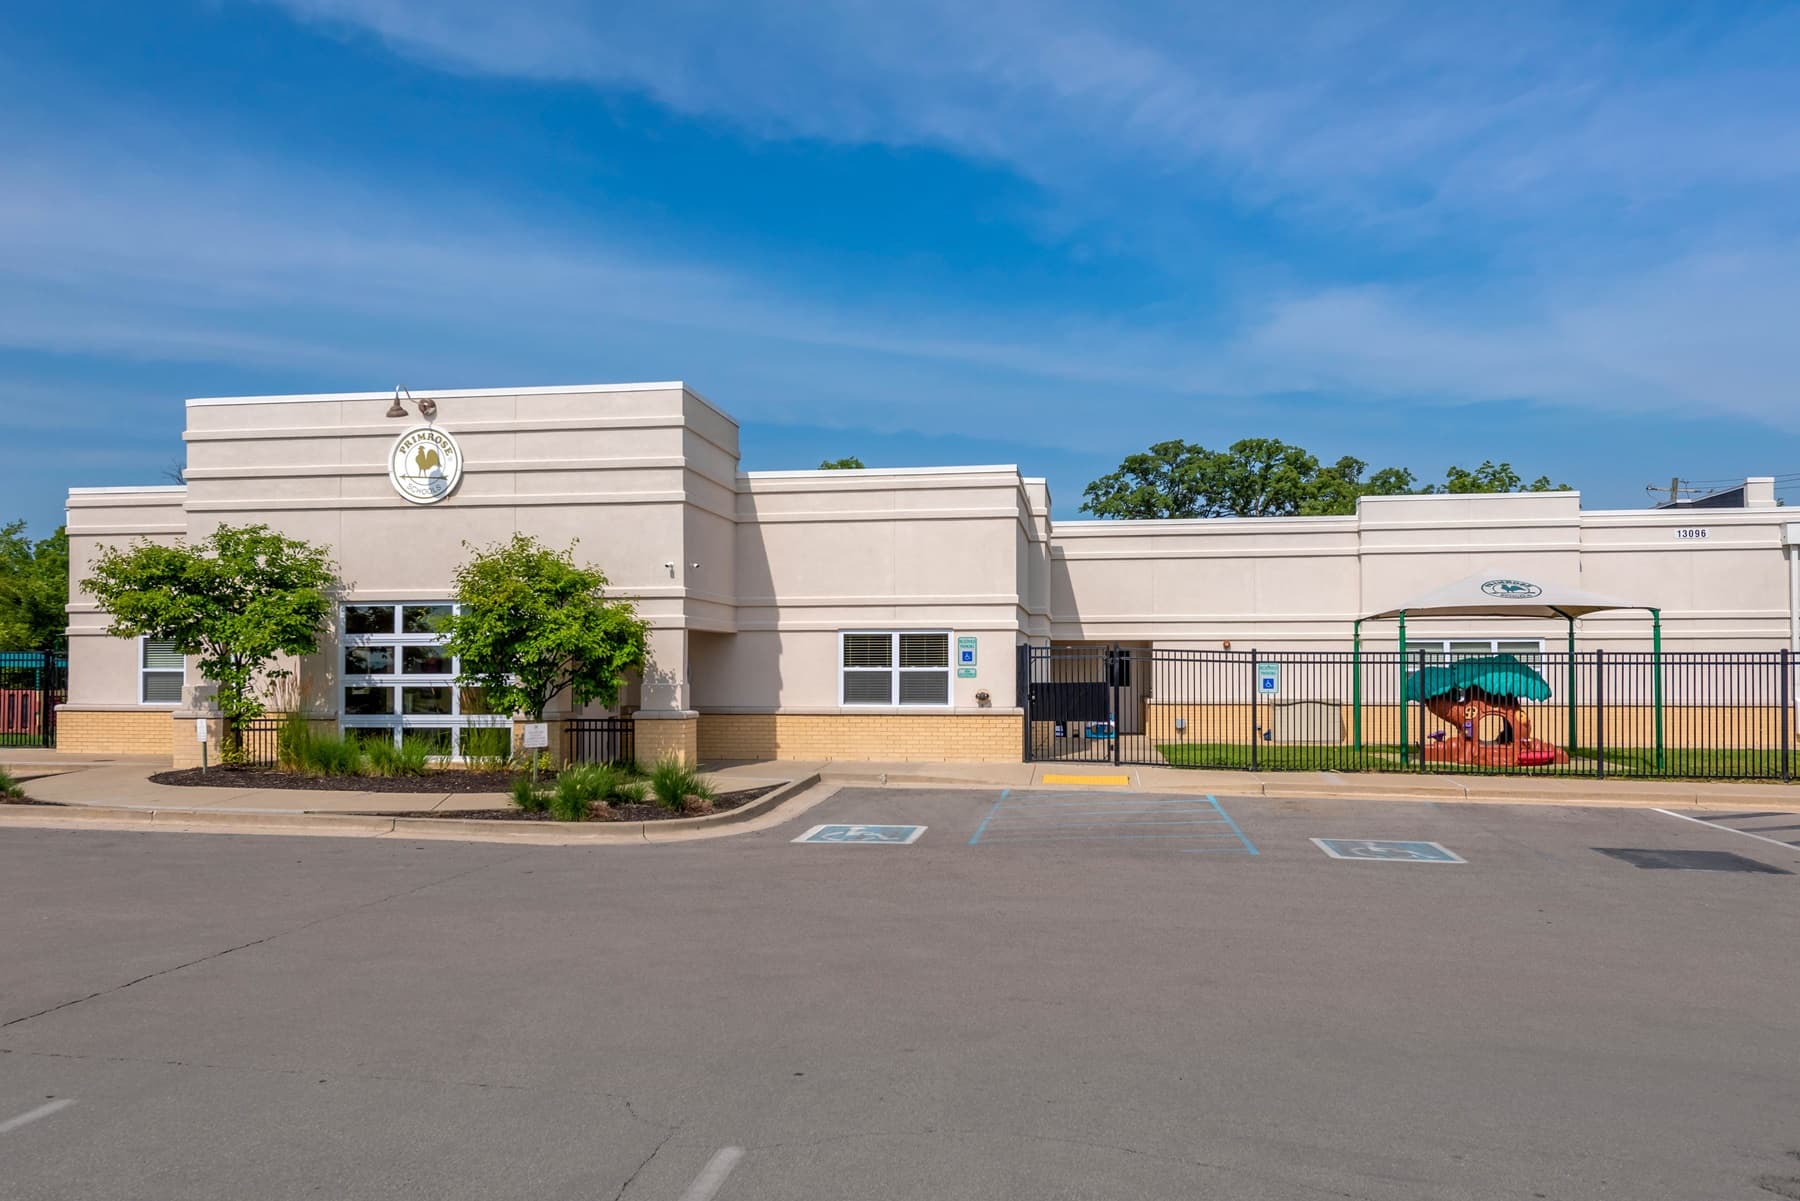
{"points": [[1086, 994]]}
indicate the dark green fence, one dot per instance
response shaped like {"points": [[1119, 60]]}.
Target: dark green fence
{"points": [[32, 685], [1600, 714]]}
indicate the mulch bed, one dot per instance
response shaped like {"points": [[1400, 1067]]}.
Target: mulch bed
{"points": [[268, 777], [437, 782], [724, 802]]}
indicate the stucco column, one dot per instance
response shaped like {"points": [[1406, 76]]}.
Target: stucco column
{"points": [[665, 682]]}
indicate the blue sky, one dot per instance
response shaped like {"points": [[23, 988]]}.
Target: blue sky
{"points": [[1047, 234]]}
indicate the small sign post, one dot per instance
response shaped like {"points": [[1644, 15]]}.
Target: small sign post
{"points": [[200, 734], [536, 737]]}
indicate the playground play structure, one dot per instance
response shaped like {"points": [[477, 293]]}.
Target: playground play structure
{"points": [[1483, 699]]}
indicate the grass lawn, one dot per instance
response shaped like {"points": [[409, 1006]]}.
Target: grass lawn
{"points": [[1679, 762]]}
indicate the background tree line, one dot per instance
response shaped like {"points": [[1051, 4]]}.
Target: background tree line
{"points": [[1266, 477], [34, 589]]}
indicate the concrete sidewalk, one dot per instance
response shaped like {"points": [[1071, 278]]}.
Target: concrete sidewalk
{"points": [[1518, 790], [123, 783]]}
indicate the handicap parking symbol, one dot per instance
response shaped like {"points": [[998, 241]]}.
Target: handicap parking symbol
{"points": [[863, 835], [1391, 850]]}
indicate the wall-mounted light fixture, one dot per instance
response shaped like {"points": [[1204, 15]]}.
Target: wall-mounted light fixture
{"points": [[427, 407]]}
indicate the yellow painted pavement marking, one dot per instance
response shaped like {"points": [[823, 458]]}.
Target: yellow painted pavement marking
{"points": [[1050, 778]]}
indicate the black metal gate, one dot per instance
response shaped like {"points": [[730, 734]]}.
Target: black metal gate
{"points": [[1692, 715], [32, 685]]}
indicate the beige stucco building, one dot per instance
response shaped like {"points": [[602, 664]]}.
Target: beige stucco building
{"points": [[830, 614]]}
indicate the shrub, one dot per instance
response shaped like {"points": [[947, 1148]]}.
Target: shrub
{"points": [[527, 796], [673, 782], [630, 792], [9, 787], [414, 757]]}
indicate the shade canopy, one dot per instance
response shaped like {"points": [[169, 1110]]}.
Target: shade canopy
{"points": [[1496, 675], [1498, 593]]}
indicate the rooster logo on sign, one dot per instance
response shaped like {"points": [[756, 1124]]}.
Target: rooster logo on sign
{"points": [[427, 458]]}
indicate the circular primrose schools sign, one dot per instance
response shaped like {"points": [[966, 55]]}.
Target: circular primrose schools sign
{"points": [[425, 465], [1512, 589]]}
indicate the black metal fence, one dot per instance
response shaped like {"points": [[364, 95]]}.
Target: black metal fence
{"points": [[258, 741], [599, 740], [1707, 715], [32, 685]]}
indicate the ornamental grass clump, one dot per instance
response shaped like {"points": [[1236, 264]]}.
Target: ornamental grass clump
{"points": [[383, 758], [678, 786], [9, 787], [332, 755], [527, 797]]}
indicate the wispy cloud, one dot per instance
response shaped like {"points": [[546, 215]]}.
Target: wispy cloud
{"points": [[206, 254], [1362, 113]]}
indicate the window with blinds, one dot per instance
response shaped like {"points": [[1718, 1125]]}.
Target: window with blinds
{"points": [[159, 672], [894, 668]]}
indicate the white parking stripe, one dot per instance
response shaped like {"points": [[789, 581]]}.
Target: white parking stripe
{"points": [[1786, 846], [42, 1111], [706, 1185]]}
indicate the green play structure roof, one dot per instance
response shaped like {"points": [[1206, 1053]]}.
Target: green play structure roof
{"points": [[1496, 675]]}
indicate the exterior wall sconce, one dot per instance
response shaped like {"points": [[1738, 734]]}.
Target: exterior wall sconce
{"points": [[427, 407]]}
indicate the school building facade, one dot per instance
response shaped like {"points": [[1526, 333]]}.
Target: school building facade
{"points": [[870, 614]]}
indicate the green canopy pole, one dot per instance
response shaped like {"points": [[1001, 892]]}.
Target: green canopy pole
{"points": [[1356, 681], [1571, 701], [1405, 751], [1656, 675]]}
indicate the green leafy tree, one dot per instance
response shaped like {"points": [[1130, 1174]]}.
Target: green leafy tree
{"points": [[1254, 477], [1266, 477], [237, 600], [533, 623], [847, 463], [1494, 477], [34, 590]]}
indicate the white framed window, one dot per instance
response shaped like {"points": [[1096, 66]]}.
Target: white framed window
{"points": [[1445, 650], [160, 672], [396, 682], [893, 668]]}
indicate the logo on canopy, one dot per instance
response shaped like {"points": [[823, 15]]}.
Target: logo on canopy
{"points": [[1511, 589]]}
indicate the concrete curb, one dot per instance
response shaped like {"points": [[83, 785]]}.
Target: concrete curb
{"points": [[327, 825], [1695, 796]]}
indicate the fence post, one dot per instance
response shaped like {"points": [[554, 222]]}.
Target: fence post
{"points": [[1022, 685], [46, 687], [1599, 711], [1112, 679], [1787, 713], [1255, 715]]}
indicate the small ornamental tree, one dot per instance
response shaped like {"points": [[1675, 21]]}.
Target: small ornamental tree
{"points": [[236, 600], [532, 623]]}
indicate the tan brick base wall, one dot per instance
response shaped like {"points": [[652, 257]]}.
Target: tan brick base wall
{"points": [[666, 738], [1736, 726], [922, 737], [115, 731]]}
